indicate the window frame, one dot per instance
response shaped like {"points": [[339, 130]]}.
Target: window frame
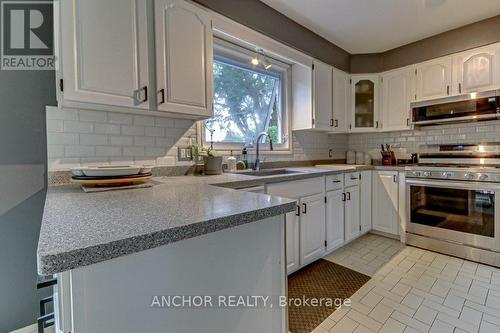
{"points": [[240, 56]]}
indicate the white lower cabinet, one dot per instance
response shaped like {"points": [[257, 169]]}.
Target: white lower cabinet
{"points": [[305, 228], [352, 221], [334, 219], [292, 241], [385, 202], [312, 228], [365, 201]]}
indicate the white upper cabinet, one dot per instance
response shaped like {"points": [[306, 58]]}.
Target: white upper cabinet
{"points": [[340, 84], [184, 56], [302, 97], [397, 91], [476, 70], [434, 79], [104, 52], [364, 103], [322, 102]]}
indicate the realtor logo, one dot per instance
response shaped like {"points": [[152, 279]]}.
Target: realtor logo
{"points": [[27, 37]]}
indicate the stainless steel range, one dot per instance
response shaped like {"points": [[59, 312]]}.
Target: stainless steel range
{"points": [[452, 203]]}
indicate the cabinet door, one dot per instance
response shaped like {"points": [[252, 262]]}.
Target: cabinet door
{"points": [[312, 228], [434, 79], [334, 219], [364, 99], [340, 100], [397, 93], [385, 201], [104, 52], [184, 56], [365, 200], [322, 88], [292, 241], [302, 97], [476, 70], [352, 210]]}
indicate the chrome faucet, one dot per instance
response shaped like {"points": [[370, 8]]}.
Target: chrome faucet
{"points": [[256, 166]]}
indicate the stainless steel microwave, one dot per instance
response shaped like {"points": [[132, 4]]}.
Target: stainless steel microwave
{"points": [[468, 107]]}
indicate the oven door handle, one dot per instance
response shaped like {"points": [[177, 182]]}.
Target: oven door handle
{"points": [[466, 185]]}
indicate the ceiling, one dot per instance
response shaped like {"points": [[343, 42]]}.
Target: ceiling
{"points": [[367, 26]]}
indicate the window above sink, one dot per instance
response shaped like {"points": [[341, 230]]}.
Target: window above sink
{"points": [[248, 99]]}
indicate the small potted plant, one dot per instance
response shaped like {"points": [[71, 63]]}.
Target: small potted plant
{"points": [[212, 159]]}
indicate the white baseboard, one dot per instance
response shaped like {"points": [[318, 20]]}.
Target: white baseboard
{"points": [[33, 329]]}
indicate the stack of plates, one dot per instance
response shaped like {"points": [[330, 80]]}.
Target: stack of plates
{"points": [[111, 175]]}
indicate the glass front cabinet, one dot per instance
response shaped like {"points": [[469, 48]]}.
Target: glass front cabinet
{"points": [[365, 99]]}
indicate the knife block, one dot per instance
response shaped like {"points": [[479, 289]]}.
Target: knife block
{"points": [[388, 158]]}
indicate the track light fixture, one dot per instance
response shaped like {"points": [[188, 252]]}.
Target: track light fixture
{"points": [[261, 59]]}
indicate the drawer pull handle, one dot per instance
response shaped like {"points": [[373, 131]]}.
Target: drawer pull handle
{"points": [[336, 181]]}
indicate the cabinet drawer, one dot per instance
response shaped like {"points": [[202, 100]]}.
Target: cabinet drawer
{"points": [[297, 188], [335, 182], [351, 179]]}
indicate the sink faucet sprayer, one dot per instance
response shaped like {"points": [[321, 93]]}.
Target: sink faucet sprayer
{"points": [[256, 166]]}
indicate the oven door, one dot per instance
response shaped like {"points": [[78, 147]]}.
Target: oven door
{"points": [[460, 212]]}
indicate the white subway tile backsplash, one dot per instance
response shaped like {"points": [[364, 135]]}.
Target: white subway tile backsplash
{"points": [[93, 139], [144, 141], [55, 125], [121, 140], [79, 151], [62, 138], [107, 128], [144, 121], [96, 116], [164, 122], [119, 118], [109, 151], [72, 126], [133, 130], [82, 136], [53, 112], [155, 131], [133, 151]]}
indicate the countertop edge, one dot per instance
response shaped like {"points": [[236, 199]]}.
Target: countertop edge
{"points": [[55, 263]]}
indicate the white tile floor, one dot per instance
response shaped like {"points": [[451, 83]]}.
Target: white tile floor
{"points": [[414, 290]]}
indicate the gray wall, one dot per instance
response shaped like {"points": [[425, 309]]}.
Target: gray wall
{"points": [[266, 20], [467, 37], [23, 96]]}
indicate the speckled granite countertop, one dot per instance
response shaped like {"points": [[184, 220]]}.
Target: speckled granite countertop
{"points": [[80, 229]]}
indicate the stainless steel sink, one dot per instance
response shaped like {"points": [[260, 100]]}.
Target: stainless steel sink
{"points": [[269, 172]]}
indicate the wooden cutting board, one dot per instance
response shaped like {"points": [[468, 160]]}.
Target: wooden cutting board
{"points": [[121, 181]]}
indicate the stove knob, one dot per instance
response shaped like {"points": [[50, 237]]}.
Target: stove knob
{"points": [[446, 175], [427, 174], [469, 176], [483, 177], [415, 174]]}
